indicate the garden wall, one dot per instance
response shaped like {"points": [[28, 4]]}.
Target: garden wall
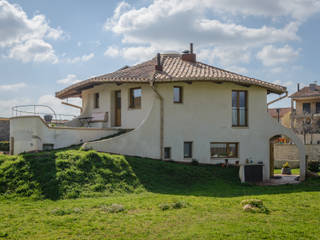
{"points": [[289, 153]]}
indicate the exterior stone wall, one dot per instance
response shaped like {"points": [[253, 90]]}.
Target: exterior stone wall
{"points": [[4, 130], [289, 153]]}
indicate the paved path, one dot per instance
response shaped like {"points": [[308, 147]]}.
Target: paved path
{"points": [[281, 180]]}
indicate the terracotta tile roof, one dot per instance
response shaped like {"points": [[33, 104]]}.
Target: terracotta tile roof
{"points": [[273, 112], [174, 69], [307, 92]]}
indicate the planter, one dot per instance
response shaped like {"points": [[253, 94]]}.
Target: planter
{"points": [[286, 171]]}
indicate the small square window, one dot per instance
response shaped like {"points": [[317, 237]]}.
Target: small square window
{"points": [[177, 94], [167, 153], [47, 147], [187, 150], [96, 100], [135, 98]]}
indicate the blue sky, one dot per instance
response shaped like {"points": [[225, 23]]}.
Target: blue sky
{"points": [[47, 45]]}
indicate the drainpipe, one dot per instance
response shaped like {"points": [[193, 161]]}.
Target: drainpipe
{"points": [[161, 118], [278, 99]]}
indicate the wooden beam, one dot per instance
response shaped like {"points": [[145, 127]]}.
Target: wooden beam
{"points": [[72, 105]]}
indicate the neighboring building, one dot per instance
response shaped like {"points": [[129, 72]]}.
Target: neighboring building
{"points": [[4, 129], [305, 117], [179, 109], [282, 115]]}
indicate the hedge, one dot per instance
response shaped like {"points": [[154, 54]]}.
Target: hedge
{"points": [[4, 146]]}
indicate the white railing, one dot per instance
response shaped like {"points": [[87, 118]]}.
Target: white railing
{"points": [[40, 110]]}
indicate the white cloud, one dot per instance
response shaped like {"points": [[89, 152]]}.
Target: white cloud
{"points": [[12, 87], [6, 105], [112, 52], [225, 55], [283, 83], [84, 58], [272, 56], [55, 103], [139, 53], [70, 79], [35, 50], [22, 35], [171, 24]]}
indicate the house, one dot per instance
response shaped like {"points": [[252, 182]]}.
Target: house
{"points": [[4, 129], [177, 109], [305, 117], [282, 115]]}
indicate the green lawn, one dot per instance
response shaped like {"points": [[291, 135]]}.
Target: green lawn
{"points": [[212, 210], [295, 171]]}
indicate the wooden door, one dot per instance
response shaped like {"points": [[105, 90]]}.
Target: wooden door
{"points": [[271, 158], [117, 108]]}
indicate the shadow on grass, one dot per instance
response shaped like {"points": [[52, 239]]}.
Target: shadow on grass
{"points": [[203, 180]]}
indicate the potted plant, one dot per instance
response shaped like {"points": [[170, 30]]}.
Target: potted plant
{"points": [[286, 169]]}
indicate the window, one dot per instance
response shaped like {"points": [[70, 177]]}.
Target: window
{"points": [[318, 107], [167, 153], [187, 150], [96, 100], [306, 108], [224, 150], [239, 108], [135, 98], [47, 147], [177, 94]]}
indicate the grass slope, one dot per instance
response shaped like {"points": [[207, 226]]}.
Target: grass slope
{"points": [[65, 174], [209, 208]]}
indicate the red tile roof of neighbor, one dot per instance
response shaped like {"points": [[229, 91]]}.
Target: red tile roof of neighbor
{"points": [[273, 112], [174, 69], [309, 91]]}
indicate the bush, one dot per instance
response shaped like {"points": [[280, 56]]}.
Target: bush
{"points": [[286, 165], [174, 205], [114, 208], [4, 146], [254, 206], [314, 166]]}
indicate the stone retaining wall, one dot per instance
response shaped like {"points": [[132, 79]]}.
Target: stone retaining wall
{"points": [[289, 153]]}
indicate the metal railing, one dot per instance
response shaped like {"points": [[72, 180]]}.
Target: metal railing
{"points": [[38, 110]]}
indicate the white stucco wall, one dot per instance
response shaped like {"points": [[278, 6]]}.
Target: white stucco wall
{"points": [[30, 133], [130, 118], [205, 116]]}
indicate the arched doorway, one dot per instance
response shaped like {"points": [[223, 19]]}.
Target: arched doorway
{"points": [[284, 149]]}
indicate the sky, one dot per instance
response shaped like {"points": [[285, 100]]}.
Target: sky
{"points": [[47, 45]]}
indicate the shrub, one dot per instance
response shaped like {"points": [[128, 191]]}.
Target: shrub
{"points": [[114, 208], [254, 206], [285, 165], [195, 162], [60, 212], [164, 206], [4, 146], [314, 166], [174, 205]]}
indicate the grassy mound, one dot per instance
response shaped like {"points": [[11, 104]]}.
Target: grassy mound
{"points": [[66, 174]]}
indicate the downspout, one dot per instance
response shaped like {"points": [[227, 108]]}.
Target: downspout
{"points": [[161, 118], [278, 99]]}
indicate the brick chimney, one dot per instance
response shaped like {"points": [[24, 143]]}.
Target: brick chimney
{"points": [[188, 55], [158, 66]]}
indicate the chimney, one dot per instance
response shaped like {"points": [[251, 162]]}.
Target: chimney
{"points": [[189, 55], [298, 87], [312, 86], [158, 67]]}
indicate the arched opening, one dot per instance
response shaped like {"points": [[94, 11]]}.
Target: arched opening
{"points": [[285, 160]]}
